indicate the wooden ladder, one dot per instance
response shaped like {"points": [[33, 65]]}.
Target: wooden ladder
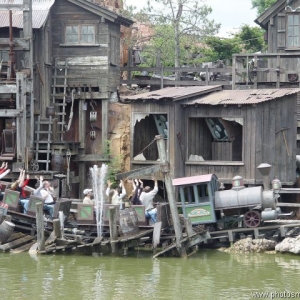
{"points": [[60, 81], [43, 146]]}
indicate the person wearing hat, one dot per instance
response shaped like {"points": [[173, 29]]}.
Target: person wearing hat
{"points": [[87, 196]]}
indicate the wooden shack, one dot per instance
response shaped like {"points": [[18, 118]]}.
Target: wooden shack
{"points": [[213, 131], [60, 64]]}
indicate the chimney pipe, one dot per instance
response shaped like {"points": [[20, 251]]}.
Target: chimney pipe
{"points": [[264, 169]]}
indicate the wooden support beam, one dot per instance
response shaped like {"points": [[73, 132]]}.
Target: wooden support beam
{"points": [[105, 114], [10, 113], [170, 193], [20, 44], [138, 172], [91, 157], [8, 89], [11, 6], [40, 226], [113, 230]]}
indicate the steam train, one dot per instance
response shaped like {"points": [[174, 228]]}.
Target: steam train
{"points": [[204, 201]]}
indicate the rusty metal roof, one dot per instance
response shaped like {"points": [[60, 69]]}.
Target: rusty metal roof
{"points": [[173, 93], [241, 96], [40, 11]]}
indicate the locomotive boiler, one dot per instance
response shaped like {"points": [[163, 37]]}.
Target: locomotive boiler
{"points": [[203, 202]]}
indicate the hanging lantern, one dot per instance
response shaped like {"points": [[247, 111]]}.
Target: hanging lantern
{"points": [[92, 135], [93, 116]]}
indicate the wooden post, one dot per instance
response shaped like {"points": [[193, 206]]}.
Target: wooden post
{"points": [[56, 228], [40, 226], [206, 75], [278, 73], [161, 76], [104, 125], [233, 79], [113, 230], [170, 192], [256, 74]]}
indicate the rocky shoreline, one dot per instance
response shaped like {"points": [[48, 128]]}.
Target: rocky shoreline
{"points": [[249, 245]]}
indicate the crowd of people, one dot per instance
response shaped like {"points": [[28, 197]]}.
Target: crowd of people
{"points": [[140, 195]]}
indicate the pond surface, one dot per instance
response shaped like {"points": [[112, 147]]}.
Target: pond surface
{"points": [[210, 274]]}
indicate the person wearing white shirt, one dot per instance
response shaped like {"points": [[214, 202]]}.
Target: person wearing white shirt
{"points": [[146, 198], [116, 195]]}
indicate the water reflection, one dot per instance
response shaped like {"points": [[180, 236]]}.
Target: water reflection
{"points": [[209, 275]]}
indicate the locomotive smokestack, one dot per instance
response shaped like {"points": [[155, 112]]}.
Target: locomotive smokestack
{"points": [[264, 169]]}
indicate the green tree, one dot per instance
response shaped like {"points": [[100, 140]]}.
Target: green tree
{"points": [[262, 5], [176, 20], [252, 38]]}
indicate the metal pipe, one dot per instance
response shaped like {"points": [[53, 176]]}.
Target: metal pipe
{"points": [[11, 52], [264, 169]]}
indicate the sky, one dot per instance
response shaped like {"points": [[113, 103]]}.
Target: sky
{"points": [[230, 13]]}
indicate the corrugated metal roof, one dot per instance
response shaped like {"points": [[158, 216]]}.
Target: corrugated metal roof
{"points": [[40, 11], [192, 179], [173, 93], [242, 96]]}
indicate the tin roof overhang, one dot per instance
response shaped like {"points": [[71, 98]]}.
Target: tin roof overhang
{"points": [[173, 93], [192, 179], [241, 97]]}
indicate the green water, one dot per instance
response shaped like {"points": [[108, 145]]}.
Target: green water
{"points": [[208, 275]]}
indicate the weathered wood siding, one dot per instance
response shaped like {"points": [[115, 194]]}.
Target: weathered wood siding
{"points": [[277, 43], [89, 64], [168, 108], [263, 140]]}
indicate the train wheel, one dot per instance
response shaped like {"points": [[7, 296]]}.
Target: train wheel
{"points": [[252, 219]]}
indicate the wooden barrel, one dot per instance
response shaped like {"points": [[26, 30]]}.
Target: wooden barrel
{"points": [[6, 229], [129, 222], [50, 111], [57, 162]]}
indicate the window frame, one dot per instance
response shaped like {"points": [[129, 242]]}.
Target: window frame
{"points": [[293, 46], [79, 34]]}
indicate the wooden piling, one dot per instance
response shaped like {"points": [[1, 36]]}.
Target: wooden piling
{"points": [[56, 228], [165, 168], [113, 229], [40, 226]]}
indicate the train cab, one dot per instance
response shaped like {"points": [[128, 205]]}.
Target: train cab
{"points": [[196, 195]]}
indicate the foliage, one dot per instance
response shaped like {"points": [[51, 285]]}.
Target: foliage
{"points": [[114, 164], [252, 38], [262, 5], [176, 21], [221, 49]]}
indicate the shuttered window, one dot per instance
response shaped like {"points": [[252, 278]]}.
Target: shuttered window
{"points": [[293, 31], [80, 34]]}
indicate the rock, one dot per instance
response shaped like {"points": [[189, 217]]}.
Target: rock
{"points": [[252, 245], [291, 245]]}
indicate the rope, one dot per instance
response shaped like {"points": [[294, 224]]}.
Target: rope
{"points": [[147, 146]]}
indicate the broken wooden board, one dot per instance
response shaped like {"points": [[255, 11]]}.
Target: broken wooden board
{"points": [[138, 172], [23, 248], [136, 236], [16, 243], [15, 236]]}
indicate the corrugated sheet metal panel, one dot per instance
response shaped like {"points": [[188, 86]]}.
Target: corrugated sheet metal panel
{"points": [[172, 93], [40, 11], [192, 179], [242, 96]]}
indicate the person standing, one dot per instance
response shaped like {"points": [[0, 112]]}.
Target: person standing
{"points": [[146, 198], [116, 195], [88, 197]]}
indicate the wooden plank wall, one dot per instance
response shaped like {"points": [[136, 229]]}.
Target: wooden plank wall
{"points": [[166, 108], [98, 73], [263, 140]]}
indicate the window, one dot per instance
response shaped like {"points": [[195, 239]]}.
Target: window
{"points": [[293, 30], [146, 127], [80, 34], [215, 139]]}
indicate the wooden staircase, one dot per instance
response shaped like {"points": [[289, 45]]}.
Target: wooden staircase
{"points": [[59, 97]]}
